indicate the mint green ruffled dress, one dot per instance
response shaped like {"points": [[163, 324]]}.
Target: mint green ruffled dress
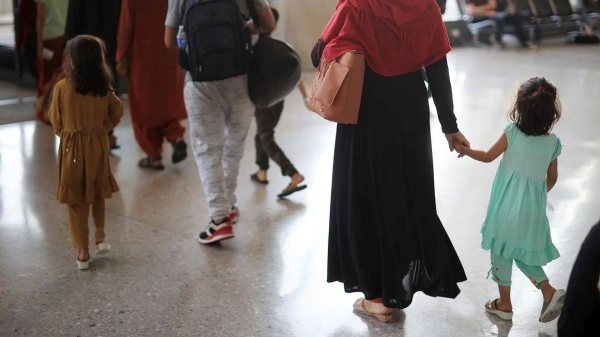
{"points": [[516, 226]]}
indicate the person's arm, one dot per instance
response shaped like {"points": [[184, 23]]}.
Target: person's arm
{"points": [[438, 77], [485, 156], [54, 112], [171, 37], [267, 21], [441, 90], [125, 37], [39, 26], [172, 22], [552, 175], [115, 112], [302, 89], [488, 9]]}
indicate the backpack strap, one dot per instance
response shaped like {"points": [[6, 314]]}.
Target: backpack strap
{"points": [[253, 13]]}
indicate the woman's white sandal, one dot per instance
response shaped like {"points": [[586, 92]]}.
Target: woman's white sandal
{"points": [[491, 308], [551, 310], [102, 248], [84, 265]]}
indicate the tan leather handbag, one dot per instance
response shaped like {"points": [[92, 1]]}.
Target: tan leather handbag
{"points": [[337, 89]]}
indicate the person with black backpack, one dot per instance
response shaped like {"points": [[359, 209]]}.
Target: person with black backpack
{"points": [[214, 43]]}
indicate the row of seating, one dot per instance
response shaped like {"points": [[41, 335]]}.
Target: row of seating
{"points": [[539, 15]]}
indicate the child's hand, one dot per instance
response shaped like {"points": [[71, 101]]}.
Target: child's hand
{"points": [[461, 149], [122, 69]]}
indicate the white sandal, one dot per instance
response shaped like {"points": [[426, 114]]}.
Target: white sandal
{"points": [[84, 265], [102, 248], [491, 308], [551, 310]]}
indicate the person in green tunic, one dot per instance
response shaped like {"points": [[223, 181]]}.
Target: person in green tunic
{"points": [[516, 227]]}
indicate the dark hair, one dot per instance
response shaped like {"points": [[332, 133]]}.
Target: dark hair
{"points": [[275, 14], [85, 66], [537, 108]]}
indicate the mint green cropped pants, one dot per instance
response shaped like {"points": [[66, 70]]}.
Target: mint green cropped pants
{"points": [[501, 271]]}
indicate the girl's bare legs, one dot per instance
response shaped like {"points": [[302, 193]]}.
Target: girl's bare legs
{"points": [[100, 235], [84, 254], [547, 290], [504, 303]]}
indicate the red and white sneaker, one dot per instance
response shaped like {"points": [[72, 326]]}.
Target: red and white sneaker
{"points": [[235, 215], [216, 232]]}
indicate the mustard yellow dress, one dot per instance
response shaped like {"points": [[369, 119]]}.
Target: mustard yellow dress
{"points": [[82, 122]]}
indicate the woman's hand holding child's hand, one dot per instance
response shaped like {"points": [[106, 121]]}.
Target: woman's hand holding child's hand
{"points": [[455, 139], [460, 148]]}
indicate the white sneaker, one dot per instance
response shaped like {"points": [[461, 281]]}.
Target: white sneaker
{"points": [[216, 232]]}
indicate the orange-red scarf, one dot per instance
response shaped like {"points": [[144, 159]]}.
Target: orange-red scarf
{"points": [[395, 36]]}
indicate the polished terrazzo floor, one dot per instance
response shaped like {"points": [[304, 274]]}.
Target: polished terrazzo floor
{"points": [[270, 280]]}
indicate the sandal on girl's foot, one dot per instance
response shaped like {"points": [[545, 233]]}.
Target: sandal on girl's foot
{"points": [[179, 151], [84, 265], [102, 248], [291, 190], [148, 163], [359, 307], [551, 310], [256, 179], [491, 308]]}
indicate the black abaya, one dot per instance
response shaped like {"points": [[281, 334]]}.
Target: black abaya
{"points": [[99, 18], [385, 237]]}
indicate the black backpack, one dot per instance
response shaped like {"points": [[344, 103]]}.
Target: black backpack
{"points": [[218, 42]]}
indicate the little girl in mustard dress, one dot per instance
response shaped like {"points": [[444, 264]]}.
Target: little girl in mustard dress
{"points": [[84, 107]]}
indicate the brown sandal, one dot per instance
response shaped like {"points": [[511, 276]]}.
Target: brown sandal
{"points": [[359, 307], [148, 163]]}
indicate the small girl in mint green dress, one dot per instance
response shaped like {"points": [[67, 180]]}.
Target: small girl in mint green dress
{"points": [[516, 227]]}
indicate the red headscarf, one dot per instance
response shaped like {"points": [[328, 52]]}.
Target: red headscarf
{"points": [[395, 36]]}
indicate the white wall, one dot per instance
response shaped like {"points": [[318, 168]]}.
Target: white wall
{"points": [[6, 6], [301, 23]]}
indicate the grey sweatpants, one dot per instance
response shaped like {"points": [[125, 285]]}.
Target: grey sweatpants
{"points": [[220, 113]]}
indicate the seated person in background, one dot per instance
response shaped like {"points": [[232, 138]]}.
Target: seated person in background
{"points": [[489, 10]]}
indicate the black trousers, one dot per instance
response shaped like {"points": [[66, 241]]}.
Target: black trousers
{"points": [[581, 312], [502, 21], [266, 121]]}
